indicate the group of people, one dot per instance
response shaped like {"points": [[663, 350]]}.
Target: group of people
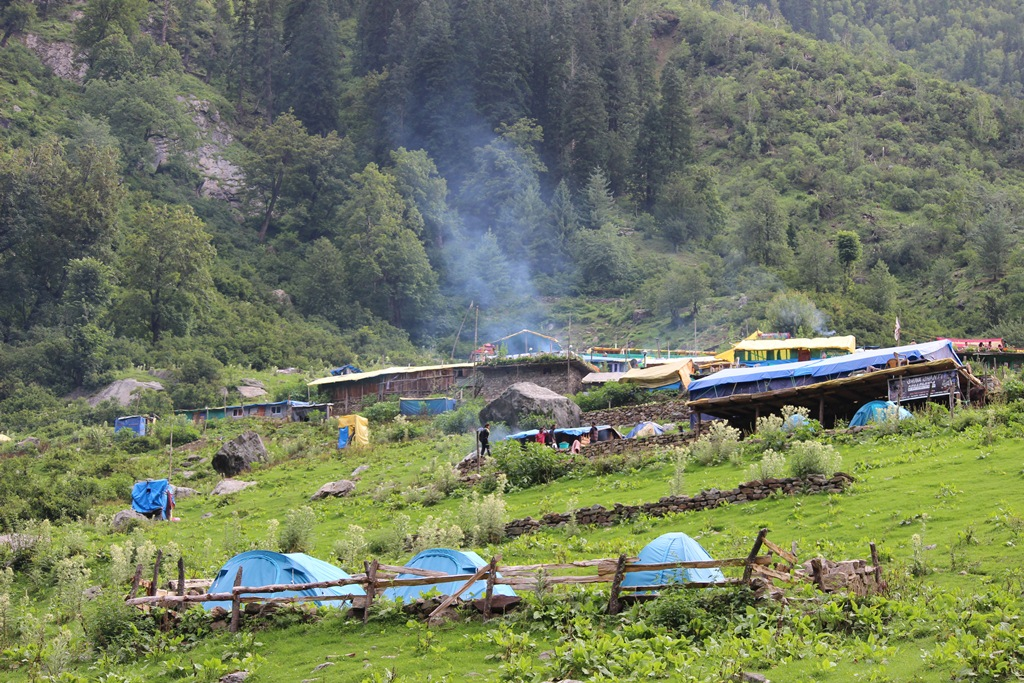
{"points": [[545, 437]]}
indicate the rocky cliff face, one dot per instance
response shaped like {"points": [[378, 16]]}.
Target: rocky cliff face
{"points": [[61, 57]]}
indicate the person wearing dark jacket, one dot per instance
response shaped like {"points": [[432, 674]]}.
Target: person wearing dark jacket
{"points": [[485, 439]]}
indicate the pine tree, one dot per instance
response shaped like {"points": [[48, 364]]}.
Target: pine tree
{"points": [[313, 68]]}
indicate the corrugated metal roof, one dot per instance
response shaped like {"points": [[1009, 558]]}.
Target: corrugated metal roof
{"points": [[398, 370]]}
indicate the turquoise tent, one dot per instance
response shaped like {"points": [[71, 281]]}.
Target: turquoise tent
{"points": [[453, 562], [673, 547], [265, 568], [877, 411]]}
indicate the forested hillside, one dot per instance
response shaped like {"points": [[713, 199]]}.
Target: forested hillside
{"points": [[272, 183]]}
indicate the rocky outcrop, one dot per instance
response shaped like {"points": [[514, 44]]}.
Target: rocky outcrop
{"points": [[62, 57], [523, 399], [125, 519], [335, 489], [238, 454], [598, 515], [221, 178], [123, 391]]}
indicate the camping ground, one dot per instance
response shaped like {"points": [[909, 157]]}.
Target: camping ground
{"points": [[940, 496]]}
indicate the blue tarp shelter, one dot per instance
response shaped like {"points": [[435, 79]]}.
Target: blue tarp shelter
{"points": [[645, 429], [569, 434], [733, 381], [795, 421], [425, 406], [265, 568], [877, 411], [136, 423], [150, 497], [453, 562], [673, 547]]}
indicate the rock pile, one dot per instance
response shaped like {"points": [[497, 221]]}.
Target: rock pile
{"points": [[598, 515], [847, 576], [667, 411]]}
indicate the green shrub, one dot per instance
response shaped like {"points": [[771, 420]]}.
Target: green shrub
{"points": [[402, 429], [296, 533], [135, 445], [771, 466], [436, 533], [812, 457], [717, 445], [350, 547], [612, 395], [180, 428], [698, 614], [529, 464], [483, 517], [463, 419], [534, 421], [382, 411], [108, 620]]}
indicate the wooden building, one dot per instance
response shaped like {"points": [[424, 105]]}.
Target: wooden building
{"points": [[348, 392]]}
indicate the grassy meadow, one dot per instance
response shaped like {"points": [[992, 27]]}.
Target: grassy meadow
{"points": [[940, 496]]}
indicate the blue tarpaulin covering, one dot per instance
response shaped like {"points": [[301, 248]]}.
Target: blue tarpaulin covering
{"points": [[454, 562], [877, 411], [673, 547], [150, 497], [265, 568], [755, 380], [605, 433], [645, 429], [343, 437], [425, 406], [136, 423]]}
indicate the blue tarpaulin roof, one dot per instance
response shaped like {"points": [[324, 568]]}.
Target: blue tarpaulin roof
{"points": [[753, 380], [454, 562], [150, 496], [559, 431], [673, 547], [265, 568]]}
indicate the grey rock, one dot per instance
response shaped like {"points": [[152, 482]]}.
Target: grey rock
{"points": [[228, 486], [525, 398], [251, 382], [359, 470], [206, 515], [238, 454], [184, 492], [125, 518], [92, 593], [123, 391], [250, 392], [319, 667], [336, 489], [235, 677]]}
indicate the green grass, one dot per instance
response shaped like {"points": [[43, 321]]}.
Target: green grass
{"points": [[960, 492]]}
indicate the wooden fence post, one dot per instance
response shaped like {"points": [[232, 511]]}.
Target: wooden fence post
{"points": [[371, 586], [181, 576], [135, 582], [877, 565], [749, 568], [614, 604], [489, 595], [236, 603], [156, 572]]}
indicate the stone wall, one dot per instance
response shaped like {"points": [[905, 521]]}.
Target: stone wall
{"points": [[619, 446], [598, 515], [661, 412], [490, 381]]}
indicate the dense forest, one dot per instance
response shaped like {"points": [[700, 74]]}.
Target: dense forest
{"points": [[311, 182]]}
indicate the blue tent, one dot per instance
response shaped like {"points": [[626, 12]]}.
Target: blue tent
{"points": [[876, 411], [795, 421], [453, 562], [673, 547], [425, 406], [646, 429], [265, 568], [135, 423], [150, 497]]}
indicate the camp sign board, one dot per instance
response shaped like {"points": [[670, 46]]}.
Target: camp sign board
{"points": [[923, 386]]}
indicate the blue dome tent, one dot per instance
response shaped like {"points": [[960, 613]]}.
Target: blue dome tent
{"points": [[673, 547], [265, 568], [876, 411], [453, 562], [645, 429]]}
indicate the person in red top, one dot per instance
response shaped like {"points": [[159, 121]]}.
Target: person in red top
{"points": [[541, 437]]}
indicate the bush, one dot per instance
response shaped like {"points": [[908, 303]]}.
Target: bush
{"points": [[771, 466], [529, 464], [382, 411], [463, 419], [350, 547], [296, 534], [483, 518], [612, 395], [108, 620], [402, 429], [698, 614], [436, 533], [812, 457], [715, 447], [180, 428]]}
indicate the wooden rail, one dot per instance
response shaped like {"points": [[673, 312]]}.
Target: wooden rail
{"points": [[777, 565]]}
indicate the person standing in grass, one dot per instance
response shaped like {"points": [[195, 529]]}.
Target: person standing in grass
{"points": [[484, 437]]}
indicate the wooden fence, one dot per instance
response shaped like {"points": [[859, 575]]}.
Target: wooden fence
{"points": [[776, 564]]}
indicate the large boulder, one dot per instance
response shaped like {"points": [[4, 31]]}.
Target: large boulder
{"points": [[126, 519], [226, 487], [525, 398], [238, 454]]}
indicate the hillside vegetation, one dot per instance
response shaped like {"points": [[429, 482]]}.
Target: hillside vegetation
{"points": [[938, 495], [648, 173]]}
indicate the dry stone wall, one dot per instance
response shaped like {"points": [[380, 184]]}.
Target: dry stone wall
{"points": [[661, 412], [619, 446], [598, 515]]}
